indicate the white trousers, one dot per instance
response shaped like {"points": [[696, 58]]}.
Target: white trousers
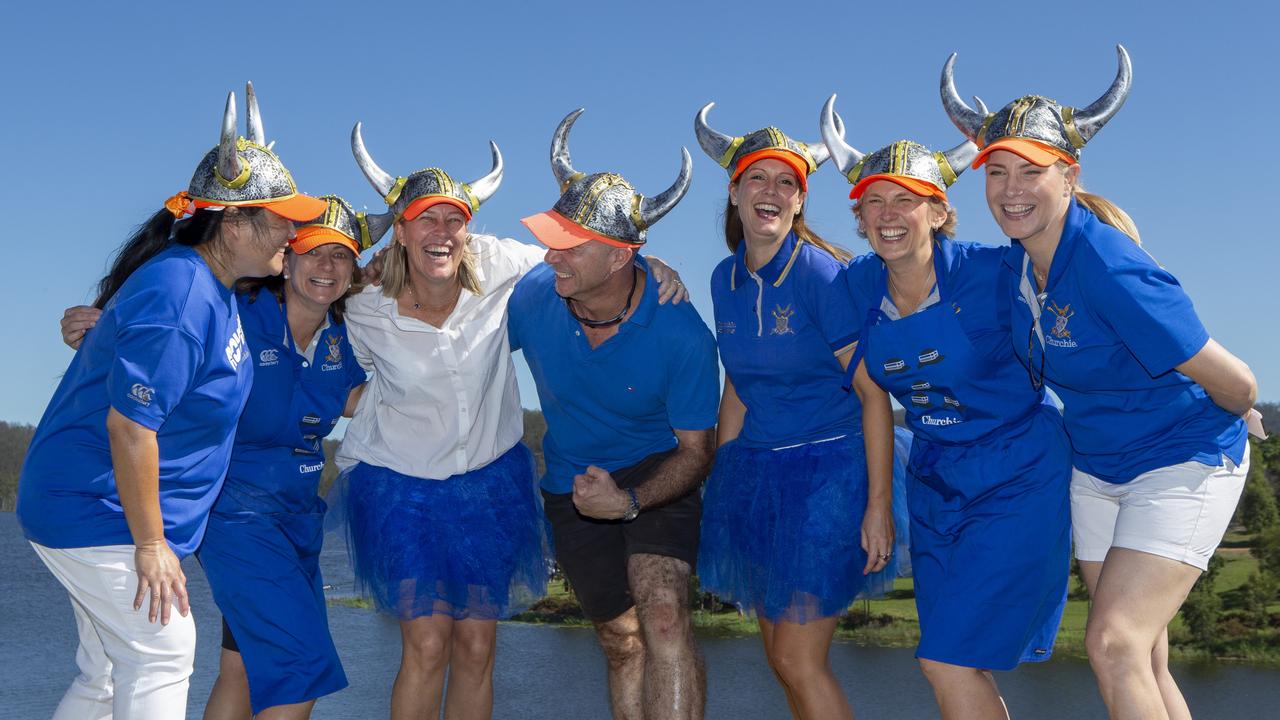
{"points": [[130, 668]]}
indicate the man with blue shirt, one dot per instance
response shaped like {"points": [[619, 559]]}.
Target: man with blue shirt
{"points": [[630, 392]]}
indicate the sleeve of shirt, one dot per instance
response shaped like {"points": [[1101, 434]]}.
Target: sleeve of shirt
{"points": [[154, 367], [693, 392], [826, 295], [1148, 310], [355, 370], [523, 257], [358, 348]]}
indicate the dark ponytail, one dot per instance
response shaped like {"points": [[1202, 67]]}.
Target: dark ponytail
{"points": [[156, 234]]}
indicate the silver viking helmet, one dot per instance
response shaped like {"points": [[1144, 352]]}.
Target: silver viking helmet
{"points": [[902, 159], [400, 192], [1037, 118], [244, 170], [603, 204], [341, 223], [730, 151]]}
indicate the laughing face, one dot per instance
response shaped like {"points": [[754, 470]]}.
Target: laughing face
{"points": [[260, 241], [434, 242], [320, 276], [1028, 201], [898, 223], [768, 197]]}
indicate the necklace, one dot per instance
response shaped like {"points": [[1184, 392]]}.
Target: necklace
{"points": [[449, 306], [929, 281], [613, 320]]}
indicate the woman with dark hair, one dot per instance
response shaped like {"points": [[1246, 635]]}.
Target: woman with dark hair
{"points": [[129, 457], [262, 546], [989, 460], [797, 514], [1152, 404]]}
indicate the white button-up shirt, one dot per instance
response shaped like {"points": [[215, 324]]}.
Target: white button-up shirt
{"points": [[440, 401]]}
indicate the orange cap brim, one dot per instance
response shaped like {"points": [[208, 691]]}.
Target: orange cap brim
{"points": [[419, 205], [1036, 153], [560, 233], [310, 238], [919, 187], [797, 163], [297, 207]]}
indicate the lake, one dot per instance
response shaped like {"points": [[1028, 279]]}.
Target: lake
{"points": [[547, 672]]}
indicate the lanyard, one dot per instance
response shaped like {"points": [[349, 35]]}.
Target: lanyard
{"points": [[1034, 300]]}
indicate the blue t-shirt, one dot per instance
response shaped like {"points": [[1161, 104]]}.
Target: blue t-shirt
{"points": [[1115, 326], [169, 354], [779, 331], [295, 402], [950, 364], [614, 405]]}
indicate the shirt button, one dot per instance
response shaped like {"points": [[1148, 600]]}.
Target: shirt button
{"points": [[306, 364], [577, 332]]}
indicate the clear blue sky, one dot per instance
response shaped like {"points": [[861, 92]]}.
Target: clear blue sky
{"points": [[110, 105]]}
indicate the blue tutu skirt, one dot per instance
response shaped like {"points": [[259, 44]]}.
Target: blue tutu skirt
{"points": [[782, 530], [473, 546]]}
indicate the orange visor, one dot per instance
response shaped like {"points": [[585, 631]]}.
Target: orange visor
{"points": [[919, 187], [559, 233], [1036, 153], [297, 207], [312, 237], [797, 163], [420, 204]]}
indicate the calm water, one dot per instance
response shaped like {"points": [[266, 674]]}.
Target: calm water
{"points": [[546, 672]]}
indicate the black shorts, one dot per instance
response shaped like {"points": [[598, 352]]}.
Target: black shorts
{"points": [[593, 553]]}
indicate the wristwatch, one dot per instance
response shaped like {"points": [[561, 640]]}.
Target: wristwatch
{"points": [[633, 511]]}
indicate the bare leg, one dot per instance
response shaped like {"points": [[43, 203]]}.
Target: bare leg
{"points": [[470, 694], [294, 711], [799, 657], [675, 681], [964, 693], [229, 699], [424, 656], [766, 635], [624, 653], [1174, 703], [1135, 595]]}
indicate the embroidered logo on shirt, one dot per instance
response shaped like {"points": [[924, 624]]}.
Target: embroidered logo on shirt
{"points": [[235, 346], [922, 385], [921, 400], [726, 327], [1060, 335], [930, 420], [333, 361], [929, 357], [269, 357], [894, 365], [781, 320], [141, 394], [947, 400], [310, 419]]}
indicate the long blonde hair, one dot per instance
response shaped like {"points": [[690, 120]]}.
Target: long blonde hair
{"points": [[733, 233], [395, 270], [1107, 211]]}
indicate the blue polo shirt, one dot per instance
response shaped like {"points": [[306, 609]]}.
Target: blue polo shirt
{"points": [[779, 330], [614, 405], [295, 402], [1115, 326], [169, 354]]}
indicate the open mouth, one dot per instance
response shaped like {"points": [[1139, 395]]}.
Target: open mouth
{"points": [[892, 234], [323, 282], [766, 211], [437, 251], [1017, 212]]}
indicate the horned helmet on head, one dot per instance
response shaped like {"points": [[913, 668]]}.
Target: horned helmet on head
{"points": [[242, 171], [340, 223], [1036, 128], [601, 206], [909, 164], [736, 153], [409, 196]]}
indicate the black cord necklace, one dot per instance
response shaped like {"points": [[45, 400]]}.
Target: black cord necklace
{"points": [[613, 320]]}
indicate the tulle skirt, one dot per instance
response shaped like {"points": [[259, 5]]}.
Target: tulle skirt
{"points": [[473, 546], [782, 530]]}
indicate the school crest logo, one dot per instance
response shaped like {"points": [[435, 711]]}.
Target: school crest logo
{"points": [[1060, 333], [782, 320], [335, 349]]}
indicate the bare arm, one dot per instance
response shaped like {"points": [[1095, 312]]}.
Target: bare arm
{"points": [[596, 494], [1225, 377], [135, 458], [353, 399], [877, 434], [732, 414]]}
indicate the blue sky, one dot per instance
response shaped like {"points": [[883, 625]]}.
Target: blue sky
{"points": [[111, 105]]}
